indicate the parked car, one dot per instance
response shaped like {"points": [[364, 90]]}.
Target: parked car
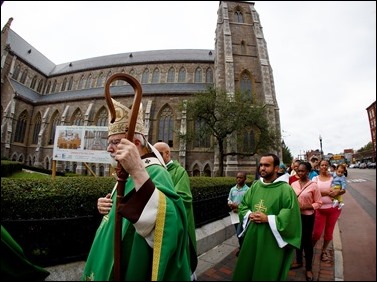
{"points": [[371, 165], [363, 165]]}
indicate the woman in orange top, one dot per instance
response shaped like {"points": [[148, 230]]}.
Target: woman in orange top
{"points": [[309, 198]]}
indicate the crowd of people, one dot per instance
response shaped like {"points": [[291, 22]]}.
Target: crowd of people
{"points": [[308, 193], [280, 217]]}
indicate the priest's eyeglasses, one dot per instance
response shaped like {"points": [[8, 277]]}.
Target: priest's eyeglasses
{"points": [[114, 142]]}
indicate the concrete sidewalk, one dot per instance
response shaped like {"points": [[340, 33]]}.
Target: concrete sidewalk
{"points": [[218, 263], [208, 237], [217, 247]]}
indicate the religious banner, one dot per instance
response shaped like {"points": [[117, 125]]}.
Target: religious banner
{"points": [[81, 144]]}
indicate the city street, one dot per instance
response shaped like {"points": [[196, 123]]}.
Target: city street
{"points": [[357, 225]]}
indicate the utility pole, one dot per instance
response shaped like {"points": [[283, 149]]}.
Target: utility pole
{"points": [[320, 144]]}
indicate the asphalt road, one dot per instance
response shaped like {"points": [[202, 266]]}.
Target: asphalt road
{"points": [[357, 225]]}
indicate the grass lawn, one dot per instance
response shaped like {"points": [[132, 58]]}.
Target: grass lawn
{"points": [[28, 174]]}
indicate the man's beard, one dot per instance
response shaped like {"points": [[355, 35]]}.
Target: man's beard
{"points": [[114, 162]]}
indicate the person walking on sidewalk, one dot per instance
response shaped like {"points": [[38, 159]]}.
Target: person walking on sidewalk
{"points": [[326, 216], [271, 219], [236, 194], [309, 198], [154, 222]]}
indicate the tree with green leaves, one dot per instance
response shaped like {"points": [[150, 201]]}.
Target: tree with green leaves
{"points": [[367, 147], [238, 124]]}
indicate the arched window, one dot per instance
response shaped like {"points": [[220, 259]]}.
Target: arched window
{"points": [[166, 126], [202, 136], [100, 80], [246, 86], [33, 82], [40, 86], [209, 75], [21, 127], [207, 171], [54, 123], [198, 75], [156, 76], [64, 84], [93, 168], [121, 82], [77, 118], [171, 75], [145, 77], [248, 142], [102, 118], [54, 86], [24, 76], [48, 87], [182, 75], [108, 75], [238, 17], [81, 83], [70, 83], [16, 72], [37, 128], [196, 170], [101, 170], [88, 82]]}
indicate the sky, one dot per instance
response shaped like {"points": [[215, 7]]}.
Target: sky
{"points": [[322, 54]]}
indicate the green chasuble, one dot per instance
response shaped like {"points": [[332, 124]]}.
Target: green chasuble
{"points": [[268, 248], [14, 264], [182, 186], [167, 260]]}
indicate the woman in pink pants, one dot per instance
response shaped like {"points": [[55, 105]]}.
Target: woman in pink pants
{"points": [[326, 216]]}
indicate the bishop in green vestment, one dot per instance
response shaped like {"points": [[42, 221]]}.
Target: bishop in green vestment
{"points": [[154, 223], [270, 215]]}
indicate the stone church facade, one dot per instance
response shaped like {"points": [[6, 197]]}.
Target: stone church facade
{"points": [[38, 95]]}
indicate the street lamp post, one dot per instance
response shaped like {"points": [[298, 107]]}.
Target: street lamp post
{"points": [[320, 144]]}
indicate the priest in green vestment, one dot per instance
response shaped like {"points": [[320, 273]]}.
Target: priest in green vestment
{"points": [[270, 215], [154, 224], [182, 186]]}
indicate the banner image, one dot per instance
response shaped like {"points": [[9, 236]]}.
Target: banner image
{"points": [[81, 144]]}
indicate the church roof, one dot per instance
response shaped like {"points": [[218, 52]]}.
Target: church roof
{"points": [[31, 55]]}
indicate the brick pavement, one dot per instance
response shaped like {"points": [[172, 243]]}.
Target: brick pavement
{"points": [[322, 271]]}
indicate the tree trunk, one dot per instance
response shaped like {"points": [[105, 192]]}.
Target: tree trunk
{"points": [[221, 157]]}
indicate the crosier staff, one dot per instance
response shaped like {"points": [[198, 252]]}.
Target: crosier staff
{"points": [[121, 173]]}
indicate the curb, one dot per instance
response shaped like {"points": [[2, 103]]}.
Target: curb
{"points": [[338, 255]]}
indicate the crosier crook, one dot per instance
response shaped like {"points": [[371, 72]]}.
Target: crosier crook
{"points": [[121, 173]]}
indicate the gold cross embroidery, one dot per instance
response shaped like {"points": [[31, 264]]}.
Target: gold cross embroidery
{"points": [[260, 207]]}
